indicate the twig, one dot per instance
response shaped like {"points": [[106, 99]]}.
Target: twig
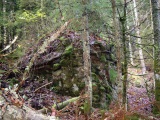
{"points": [[43, 86]]}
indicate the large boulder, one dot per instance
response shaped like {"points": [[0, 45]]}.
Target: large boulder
{"points": [[62, 63]]}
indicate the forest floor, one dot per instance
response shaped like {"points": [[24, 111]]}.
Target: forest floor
{"points": [[140, 92]]}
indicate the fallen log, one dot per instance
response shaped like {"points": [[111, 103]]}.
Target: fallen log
{"points": [[9, 111], [14, 109]]}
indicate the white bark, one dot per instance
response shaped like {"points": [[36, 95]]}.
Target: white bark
{"points": [[139, 39], [87, 61], [130, 49], [86, 57], [152, 34], [4, 27]]}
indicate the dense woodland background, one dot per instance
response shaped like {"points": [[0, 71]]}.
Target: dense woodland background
{"points": [[79, 59]]}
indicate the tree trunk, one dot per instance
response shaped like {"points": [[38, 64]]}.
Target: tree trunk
{"points": [[118, 45], [139, 39], [125, 63], [118, 51], [1, 41], [4, 26], [151, 22], [86, 58], [130, 49], [156, 27]]}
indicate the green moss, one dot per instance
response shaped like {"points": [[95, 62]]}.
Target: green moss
{"points": [[81, 85], [96, 100], [113, 75], [64, 62], [62, 38], [103, 58], [94, 86], [56, 66], [12, 81], [109, 96], [96, 97], [102, 88], [103, 114], [68, 50], [94, 76], [87, 108]]}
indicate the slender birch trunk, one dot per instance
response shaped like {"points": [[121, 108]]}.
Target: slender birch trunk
{"points": [[152, 36], [86, 57], [4, 27], [1, 41], [118, 52], [10, 31], [130, 49], [156, 28], [139, 39]]}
